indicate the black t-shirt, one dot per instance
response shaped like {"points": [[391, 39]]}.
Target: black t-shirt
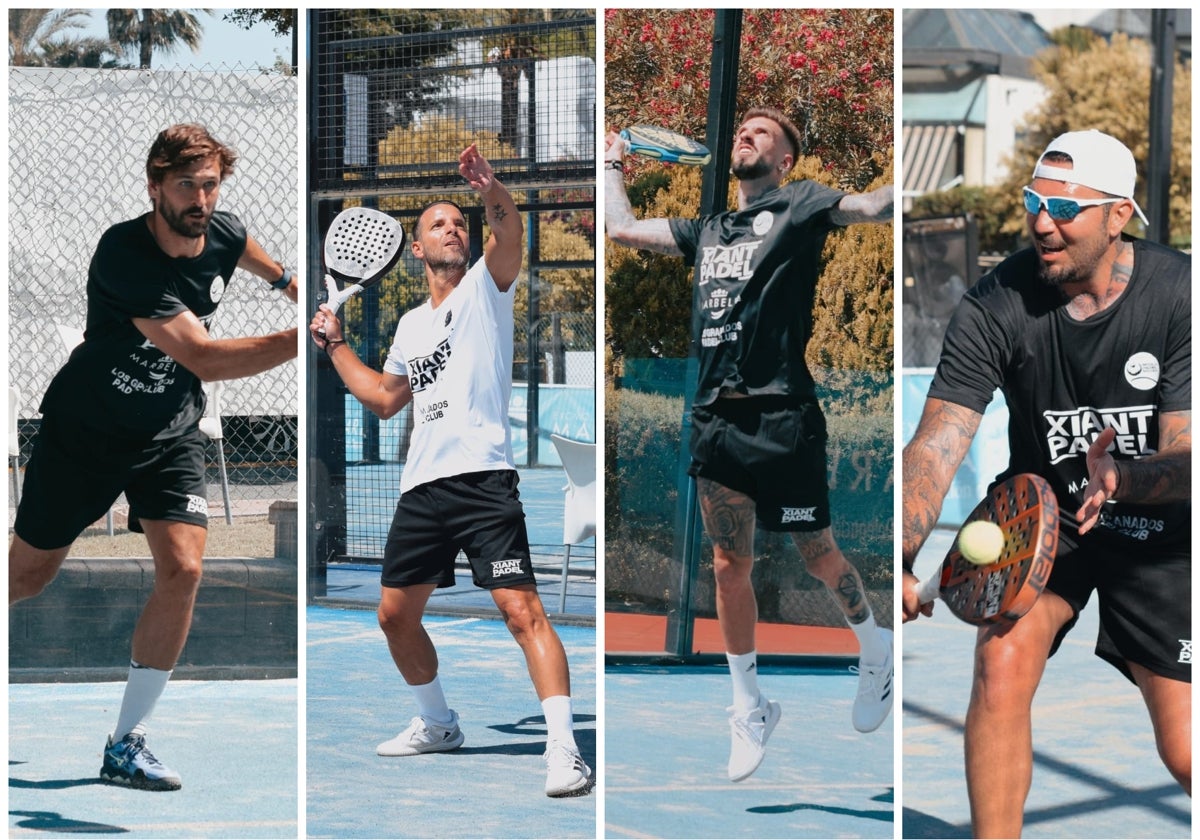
{"points": [[1066, 380], [756, 276], [116, 380]]}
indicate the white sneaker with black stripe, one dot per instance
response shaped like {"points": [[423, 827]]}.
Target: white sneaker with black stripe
{"points": [[875, 695], [425, 736], [566, 772], [749, 732]]}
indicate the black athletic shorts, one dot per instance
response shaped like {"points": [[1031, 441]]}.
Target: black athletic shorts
{"points": [[772, 449], [75, 474], [477, 513], [1145, 599]]}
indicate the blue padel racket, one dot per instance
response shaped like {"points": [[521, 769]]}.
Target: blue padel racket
{"points": [[665, 145], [1026, 510], [361, 247]]}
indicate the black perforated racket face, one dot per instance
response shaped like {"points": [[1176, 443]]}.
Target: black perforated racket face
{"points": [[1026, 510], [362, 245]]}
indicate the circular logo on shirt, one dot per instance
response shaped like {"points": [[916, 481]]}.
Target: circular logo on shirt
{"points": [[217, 289], [763, 222], [1141, 371]]}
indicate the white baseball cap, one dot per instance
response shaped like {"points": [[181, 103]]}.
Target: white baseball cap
{"points": [[1098, 160]]}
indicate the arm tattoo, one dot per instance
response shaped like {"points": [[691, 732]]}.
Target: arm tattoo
{"points": [[1167, 475], [499, 214], [929, 462], [875, 206], [626, 229]]}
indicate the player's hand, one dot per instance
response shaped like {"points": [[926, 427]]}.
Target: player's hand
{"points": [[475, 168], [909, 602], [614, 147], [1102, 480], [325, 321]]}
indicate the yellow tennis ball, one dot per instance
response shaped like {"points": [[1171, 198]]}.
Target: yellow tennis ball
{"points": [[981, 542]]}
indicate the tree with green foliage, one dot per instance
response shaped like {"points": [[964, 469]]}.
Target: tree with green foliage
{"points": [[45, 38], [830, 71], [146, 31]]}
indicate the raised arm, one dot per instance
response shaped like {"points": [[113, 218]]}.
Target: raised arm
{"points": [[930, 460], [257, 262], [874, 206], [504, 247], [620, 224], [1165, 476]]}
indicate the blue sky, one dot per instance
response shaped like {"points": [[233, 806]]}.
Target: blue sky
{"points": [[223, 44]]}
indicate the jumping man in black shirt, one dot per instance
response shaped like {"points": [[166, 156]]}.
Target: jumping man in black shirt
{"points": [[758, 440]]}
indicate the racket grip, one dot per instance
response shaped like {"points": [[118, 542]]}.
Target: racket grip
{"points": [[928, 589]]}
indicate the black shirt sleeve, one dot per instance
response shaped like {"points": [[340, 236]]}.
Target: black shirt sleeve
{"points": [[975, 352]]}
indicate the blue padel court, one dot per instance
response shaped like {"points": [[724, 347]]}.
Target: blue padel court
{"points": [[1096, 772], [491, 787], [667, 745], [233, 742]]}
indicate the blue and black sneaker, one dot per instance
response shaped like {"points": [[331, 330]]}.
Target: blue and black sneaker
{"points": [[129, 762]]}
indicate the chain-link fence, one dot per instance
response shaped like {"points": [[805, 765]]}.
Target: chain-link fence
{"points": [[396, 96], [78, 141]]}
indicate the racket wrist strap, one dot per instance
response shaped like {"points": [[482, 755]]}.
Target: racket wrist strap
{"points": [[330, 343], [614, 164], [284, 280]]}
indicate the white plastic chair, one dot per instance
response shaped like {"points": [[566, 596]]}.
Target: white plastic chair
{"points": [[579, 511], [14, 443], [212, 428]]}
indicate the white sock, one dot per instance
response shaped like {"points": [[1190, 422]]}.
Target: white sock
{"points": [[144, 687], [431, 702], [743, 668], [870, 645], [560, 721]]}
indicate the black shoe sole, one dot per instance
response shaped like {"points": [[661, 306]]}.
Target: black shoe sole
{"points": [[140, 782]]}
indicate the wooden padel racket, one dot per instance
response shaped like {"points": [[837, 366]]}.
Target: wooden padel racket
{"points": [[1026, 510], [361, 247], [663, 144]]}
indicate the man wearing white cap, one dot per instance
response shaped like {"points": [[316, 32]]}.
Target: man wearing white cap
{"points": [[1088, 335]]}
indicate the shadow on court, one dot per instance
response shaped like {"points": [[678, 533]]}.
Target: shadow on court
{"points": [[667, 745], [233, 742], [491, 787], [1096, 771]]}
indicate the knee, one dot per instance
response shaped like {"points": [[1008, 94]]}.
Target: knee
{"points": [[1004, 683], [1176, 755], [182, 575], [28, 581], [731, 572], [395, 622], [523, 616]]}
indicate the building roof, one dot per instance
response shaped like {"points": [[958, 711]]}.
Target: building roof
{"points": [[999, 41]]}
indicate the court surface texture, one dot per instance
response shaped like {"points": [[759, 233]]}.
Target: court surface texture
{"points": [[493, 786], [1096, 772], [233, 742], [667, 745]]}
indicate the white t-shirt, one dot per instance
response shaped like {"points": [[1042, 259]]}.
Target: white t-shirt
{"points": [[458, 360]]}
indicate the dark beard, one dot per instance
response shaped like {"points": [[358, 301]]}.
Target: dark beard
{"points": [[749, 171], [446, 261], [183, 224]]}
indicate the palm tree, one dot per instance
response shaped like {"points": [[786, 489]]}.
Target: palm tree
{"points": [[147, 30], [34, 32]]}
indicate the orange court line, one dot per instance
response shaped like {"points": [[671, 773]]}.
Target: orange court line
{"points": [[635, 633]]}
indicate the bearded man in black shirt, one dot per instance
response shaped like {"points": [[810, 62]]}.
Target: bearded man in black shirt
{"points": [[1088, 335], [122, 415], [758, 441]]}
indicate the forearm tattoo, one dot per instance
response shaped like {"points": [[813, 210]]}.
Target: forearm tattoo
{"points": [[626, 229], [499, 214], [1167, 475], [930, 460], [875, 206]]}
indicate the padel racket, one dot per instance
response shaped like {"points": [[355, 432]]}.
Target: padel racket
{"points": [[1026, 510], [665, 145], [361, 246]]}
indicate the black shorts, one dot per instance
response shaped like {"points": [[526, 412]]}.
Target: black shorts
{"points": [[75, 474], [1144, 597], [477, 513], [772, 449]]}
